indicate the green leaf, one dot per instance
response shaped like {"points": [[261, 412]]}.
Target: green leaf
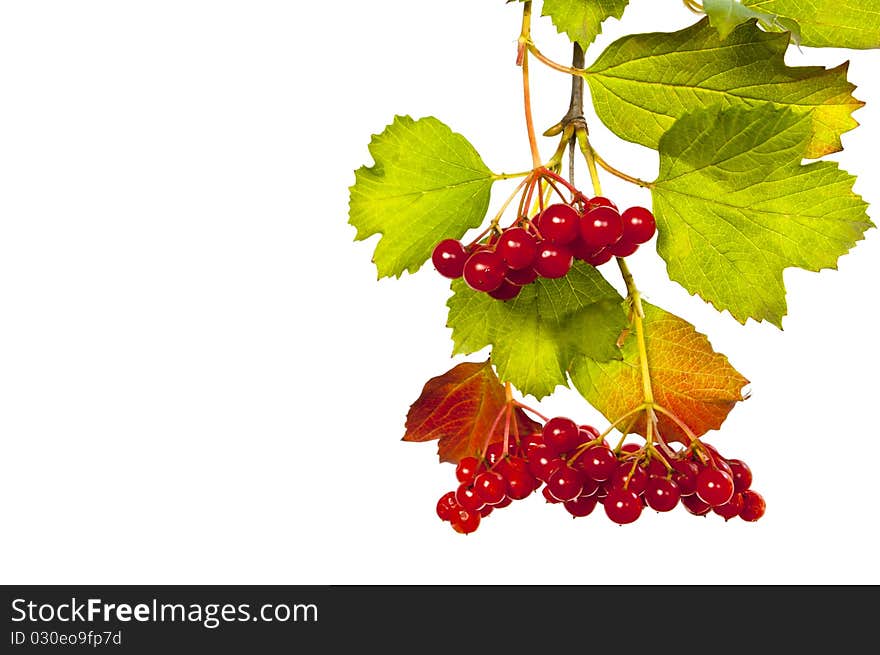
{"points": [[642, 83], [688, 378], [581, 20], [735, 207], [725, 15], [535, 336], [427, 184], [829, 23]]}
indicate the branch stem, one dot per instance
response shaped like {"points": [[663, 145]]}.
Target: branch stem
{"points": [[523, 58]]}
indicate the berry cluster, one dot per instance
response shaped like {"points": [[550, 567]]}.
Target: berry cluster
{"points": [[592, 230], [577, 468]]}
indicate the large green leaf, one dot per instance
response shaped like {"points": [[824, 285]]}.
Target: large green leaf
{"points": [[735, 207], [427, 184], [642, 83], [535, 336], [829, 23]]}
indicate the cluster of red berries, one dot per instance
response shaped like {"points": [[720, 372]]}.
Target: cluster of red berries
{"points": [[578, 469], [591, 230]]}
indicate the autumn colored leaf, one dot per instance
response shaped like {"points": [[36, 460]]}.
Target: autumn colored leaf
{"points": [[459, 408], [688, 377]]}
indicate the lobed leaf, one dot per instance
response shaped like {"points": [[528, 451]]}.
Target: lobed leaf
{"points": [[535, 336], [459, 409], [735, 207], [688, 378], [427, 184], [642, 83], [581, 20]]}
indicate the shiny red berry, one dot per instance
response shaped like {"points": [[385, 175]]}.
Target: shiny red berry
{"points": [[601, 227], [638, 225], [507, 291], [662, 494], [742, 474], [559, 223], [553, 260], [522, 276], [714, 486], [465, 521], [484, 271], [622, 505], [517, 248], [580, 506], [449, 257], [753, 506], [447, 505], [731, 508]]}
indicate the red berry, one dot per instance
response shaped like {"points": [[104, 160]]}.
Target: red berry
{"points": [[447, 505], [553, 260], [627, 476], [484, 270], [638, 225], [504, 502], [695, 505], [601, 227], [731, 508], [599, 257], [559, 223], [467, 497], [449, 257], [600, 201], [494, 452], [742, 474], [714, 486], [565, 483], [630, 448], [467, 468], [580, 506], [598, 462], [542, 462], [465, 521], [622, 248], [580, 250], [548, 496], [591, 431], [490, 487], [522, 276], [685, 475], [507, 291], [520, 484], [512, 464], [517, 248], [662, 494], [589, 486], [655, 468], [561, 434], [622, 505], [753, 506]]}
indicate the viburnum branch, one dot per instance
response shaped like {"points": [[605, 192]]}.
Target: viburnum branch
{"points": [[523, 60]]}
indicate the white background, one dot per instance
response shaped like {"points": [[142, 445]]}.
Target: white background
{"points": [[201, 380]]}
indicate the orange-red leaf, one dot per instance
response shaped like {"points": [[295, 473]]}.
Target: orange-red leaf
{"points": [[459, 408], [688, 378]]}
